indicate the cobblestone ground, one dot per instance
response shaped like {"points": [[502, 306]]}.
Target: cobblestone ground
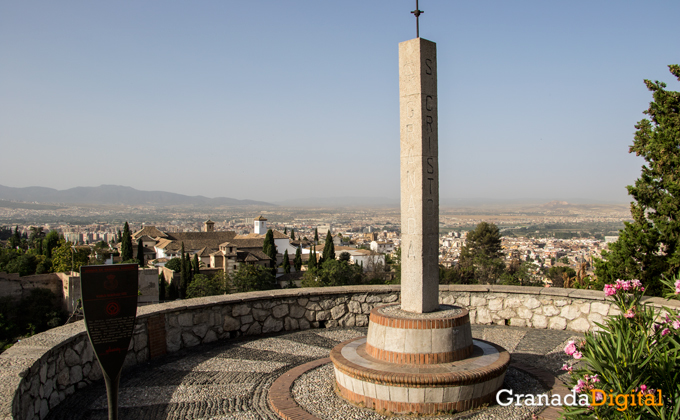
{"points": [[230, 379]]}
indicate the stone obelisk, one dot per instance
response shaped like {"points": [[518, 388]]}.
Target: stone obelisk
{"points": [[419, 176]]}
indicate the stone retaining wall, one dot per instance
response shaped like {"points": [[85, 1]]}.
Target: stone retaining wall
{"points": [[37, 373]]}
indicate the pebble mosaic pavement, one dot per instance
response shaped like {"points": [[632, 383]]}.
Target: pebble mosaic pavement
{"points": [[230, 379]]}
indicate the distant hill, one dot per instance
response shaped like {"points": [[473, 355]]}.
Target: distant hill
{"points": [[340, 202], [116, 194]]}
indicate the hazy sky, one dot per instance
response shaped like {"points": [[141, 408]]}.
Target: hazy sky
{"points": [[272, 100]]}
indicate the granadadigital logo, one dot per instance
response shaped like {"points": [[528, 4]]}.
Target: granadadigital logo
{"points": [[599, 397]]}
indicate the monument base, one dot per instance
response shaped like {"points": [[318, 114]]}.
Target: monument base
{"points": [[419, 363]]}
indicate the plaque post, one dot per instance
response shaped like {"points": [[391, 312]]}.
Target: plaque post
{"points": [[110, 309]]}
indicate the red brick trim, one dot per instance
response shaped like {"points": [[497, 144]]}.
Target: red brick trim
{"points": [[280, 398], [419, 358], [423, 378], [418, 324], [419, 408], [156, 328]]}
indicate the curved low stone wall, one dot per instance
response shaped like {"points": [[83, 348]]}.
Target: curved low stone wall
{"points": [[37, 373]]}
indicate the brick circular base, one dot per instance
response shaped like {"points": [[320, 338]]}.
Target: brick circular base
{"points": [[396, 336], [422, 389]]}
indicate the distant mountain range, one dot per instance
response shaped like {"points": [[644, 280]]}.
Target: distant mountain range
{"points": [[116, 194]]}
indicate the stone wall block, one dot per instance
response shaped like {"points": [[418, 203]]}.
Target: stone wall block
{"points": [[599, 307], [518, 322], [43, 372], [373, 299], [495, 304], [447, 299], [476, 301], [483, 316], [63, 378], [61, 364], [302, 302], [230, 324], [141, 341], [391, 298], [204, 317], [323, 315], [304, 324], [44, 409], [327, 304], [78, 346], [557, 323], [579, 324], [349, 320], [332, 323], [240, 310], [532, 303], [190, 340], [272, 324], [570, 312], [550, 310], [260, 314], [200, 330], [95, 373], [310, 316], [539, 321], [463, 301], [290, 324], [512, 302], [614, 310], [507, 313], [338, 311], [185, 319], [472, 314], [359, 298], [297, 311], [361, 320], [561, 302], [247, 319], [279, 311], [47, 388], [341, 299], [172, 320], [88, 353], [585, 307], [314, 306], [51, 369], [366, 308], [354, 307], [209, 337], [54, 399], [76, 374], [254, 329], [524, 313], [173, 339]]}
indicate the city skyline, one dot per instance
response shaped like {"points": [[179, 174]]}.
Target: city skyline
{"points": [[276, 101]]}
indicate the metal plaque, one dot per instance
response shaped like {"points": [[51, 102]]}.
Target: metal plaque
{"points": [[109, 294]]}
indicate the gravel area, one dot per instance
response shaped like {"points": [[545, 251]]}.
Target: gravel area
{"points": [[315, 392]]}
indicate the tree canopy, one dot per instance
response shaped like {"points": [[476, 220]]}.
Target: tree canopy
{"points": [[252, 277], [328, 248], [126, 243], [481, 259], [649, 246]]}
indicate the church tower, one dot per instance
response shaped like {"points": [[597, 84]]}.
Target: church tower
{"points": [[261, 225], [208, 226]]}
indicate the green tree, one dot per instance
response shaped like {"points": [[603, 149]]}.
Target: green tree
{"points": [[312, 258], [196, 265], [649, 247], [292, 234], [161, 287], [203, 285], [332, 273], [140, 252], [481, 258], [66, 257], [285, 230], [183, 274], [252, 277], [286, 262], [51, 242], [126, 243], [269, 247], [15, 240], [297, 261], [316, 236], [328, 248], [174, 264]]}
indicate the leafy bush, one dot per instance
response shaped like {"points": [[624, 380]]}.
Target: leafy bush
{"points": [[252, 277], [203, 285], [332, 273], [633, 358]]}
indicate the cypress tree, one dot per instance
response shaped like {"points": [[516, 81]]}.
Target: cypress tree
{"points": [[161, 287], [312, 258], [292, 234], [140, 252], [196, 264], [285, 230], [328, 248], [297, 262], [182, 275], [126, 246], [286, 262], [269, 247], [316, 236]]}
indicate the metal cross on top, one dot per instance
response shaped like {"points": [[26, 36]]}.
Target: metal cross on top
{"points": [[417, 14]]}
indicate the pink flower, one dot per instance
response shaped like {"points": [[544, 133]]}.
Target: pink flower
{"points": [[643, 388], [625, 285], [594, 378], [570, 348], [577, 355], [630, 314], [677, 286], [598, 396], [665, 331], [609, 290], [676, 324], [568, 368]]}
